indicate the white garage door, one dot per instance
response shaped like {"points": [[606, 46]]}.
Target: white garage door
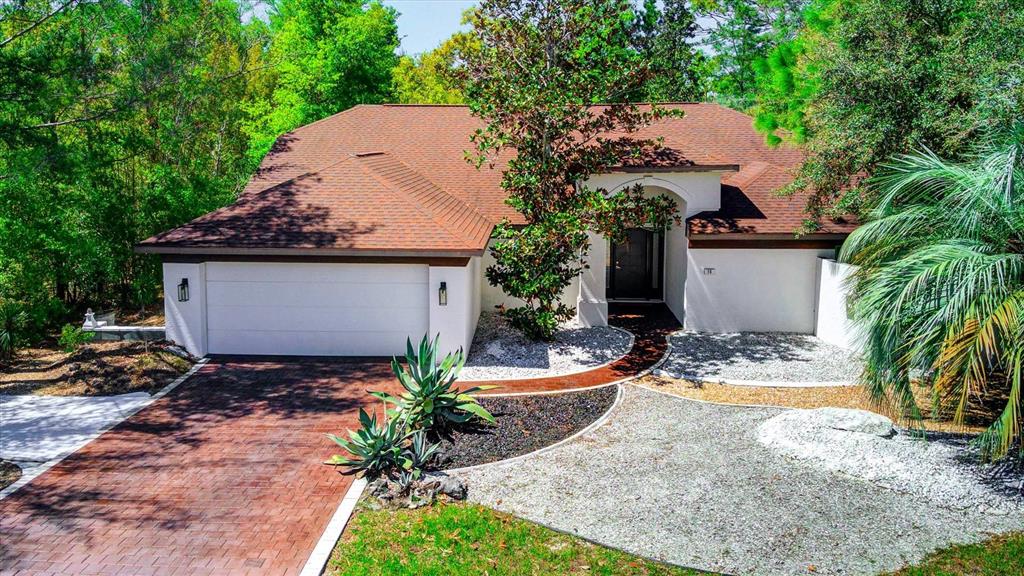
{"points": [[314, 309]]}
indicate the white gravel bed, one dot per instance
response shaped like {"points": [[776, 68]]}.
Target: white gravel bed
{"points": [[752, 357], [943, 470], [500, 352], [689, 483]]}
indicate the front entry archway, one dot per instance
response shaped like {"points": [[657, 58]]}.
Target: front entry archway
{"points": [[636, 266]]}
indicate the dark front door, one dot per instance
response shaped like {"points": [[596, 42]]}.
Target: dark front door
{"points": [[635, 270]]}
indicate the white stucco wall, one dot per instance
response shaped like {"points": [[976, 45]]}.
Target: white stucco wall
{"points": [[185, 322], [699, 190], [833, 324], [756, 290], [455, 322]]}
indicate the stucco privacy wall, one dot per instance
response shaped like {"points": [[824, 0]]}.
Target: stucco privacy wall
{"points": [[185, 322], [833, 324], [755, 290]]}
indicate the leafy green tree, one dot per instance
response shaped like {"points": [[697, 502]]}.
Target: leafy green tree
{"points": [[940, 288], [119, 120], [869, 79], [540, 68], [325, 56], [431, 78], [744, 31], [667, 34]]}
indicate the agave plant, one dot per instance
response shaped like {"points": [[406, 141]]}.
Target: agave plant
{"points": [[431, 401], [375, 449], [940, 287]]}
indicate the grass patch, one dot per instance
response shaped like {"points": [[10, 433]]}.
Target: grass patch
{"points": [[998, 556], [471, 539], [463, 539]]}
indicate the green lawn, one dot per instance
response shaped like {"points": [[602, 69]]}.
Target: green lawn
{"points": [[998, 556], [464, 539], [467, 539]]}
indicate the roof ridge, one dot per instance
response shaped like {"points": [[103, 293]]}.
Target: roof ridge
{"points": [[390, 185]]}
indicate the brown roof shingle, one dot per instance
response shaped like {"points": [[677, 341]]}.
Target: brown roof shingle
{"points": [[392, 179]]}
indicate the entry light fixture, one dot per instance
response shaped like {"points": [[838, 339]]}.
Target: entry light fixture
{"points": [[183, 290], [442, 294]]}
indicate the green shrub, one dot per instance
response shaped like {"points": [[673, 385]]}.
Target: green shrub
{"points": [[72, 338], [13, 321], [431, 402]]}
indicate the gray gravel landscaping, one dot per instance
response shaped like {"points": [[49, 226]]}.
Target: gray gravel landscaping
{"points": [[500, 352], [690, 483], [769, 357]]}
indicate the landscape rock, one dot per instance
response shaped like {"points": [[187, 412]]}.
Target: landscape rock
{"points": [[862, 421]]}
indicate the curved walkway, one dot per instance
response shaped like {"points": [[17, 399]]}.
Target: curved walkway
{"points": [[650, 324]]}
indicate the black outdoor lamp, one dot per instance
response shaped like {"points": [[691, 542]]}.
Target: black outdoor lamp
{"points": [[183, 290], [442, 294]]}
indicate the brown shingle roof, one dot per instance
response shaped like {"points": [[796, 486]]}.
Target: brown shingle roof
{"points": [[392, 179]]}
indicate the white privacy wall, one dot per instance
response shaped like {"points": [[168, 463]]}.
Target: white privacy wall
{"points": [[185, 322], [833, 324], [755, 290]]}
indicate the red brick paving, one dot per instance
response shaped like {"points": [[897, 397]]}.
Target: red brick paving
{"points": [[222, 476]]}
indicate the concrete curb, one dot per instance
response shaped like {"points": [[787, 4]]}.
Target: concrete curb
{"points": [[325, 545], [36, 471]]}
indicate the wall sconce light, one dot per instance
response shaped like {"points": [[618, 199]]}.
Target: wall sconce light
{"points": [[442, 294], [183, 290]]}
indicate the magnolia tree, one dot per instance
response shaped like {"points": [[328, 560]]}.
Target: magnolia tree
{"points": [[541, 67]]}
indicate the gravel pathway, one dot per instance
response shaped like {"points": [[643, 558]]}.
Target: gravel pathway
{"points": [[500, 352], [689, 483], [768, 357]]}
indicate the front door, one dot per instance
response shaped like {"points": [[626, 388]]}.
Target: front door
{"points": [[635, 268]]}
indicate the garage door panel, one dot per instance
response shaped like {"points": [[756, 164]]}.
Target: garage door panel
{"points": [[314, 309], [306, 343], [322, 319], [302, 273], [277, 294]]}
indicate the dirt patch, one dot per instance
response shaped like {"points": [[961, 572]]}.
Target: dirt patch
{"points": [[819, 397], [96, 369], [9, 473], [524, 424]]}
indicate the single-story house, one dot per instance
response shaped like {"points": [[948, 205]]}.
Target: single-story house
{"points": [[369, 226]]}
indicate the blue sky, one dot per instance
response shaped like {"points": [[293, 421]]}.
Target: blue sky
{"points": [[423, 24]]}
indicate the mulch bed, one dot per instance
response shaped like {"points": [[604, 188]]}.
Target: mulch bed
{"points": [[9, 473], [524, 424], [95, 369]]}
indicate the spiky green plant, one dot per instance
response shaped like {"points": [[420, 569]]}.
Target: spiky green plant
{"points": [[13, 321], [375, 449], [939, 291], [431, 401]]}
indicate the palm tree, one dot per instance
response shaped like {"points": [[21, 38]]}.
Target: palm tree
{"points": [[939, 291]]}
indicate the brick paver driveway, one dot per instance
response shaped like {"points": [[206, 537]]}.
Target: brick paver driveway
{"points": [[222, 476]]}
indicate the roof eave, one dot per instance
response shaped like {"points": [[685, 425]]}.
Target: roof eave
{"points": [[144, 248]]}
